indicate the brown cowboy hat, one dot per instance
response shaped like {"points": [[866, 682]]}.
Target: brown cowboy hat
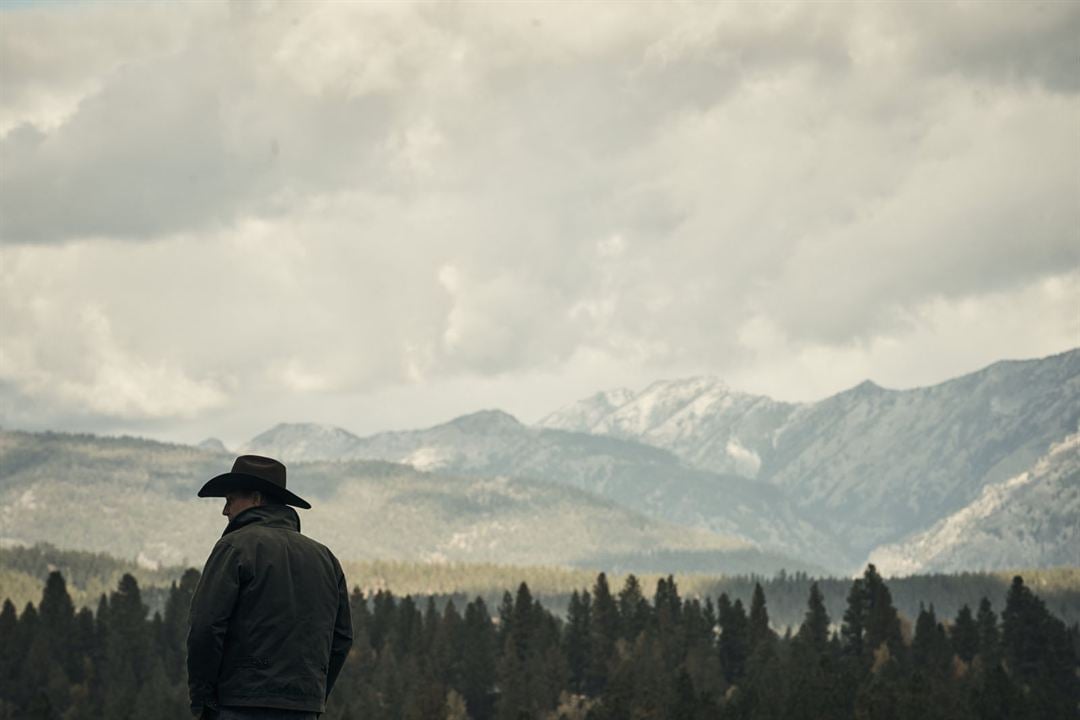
{"points": [[254, 472]]}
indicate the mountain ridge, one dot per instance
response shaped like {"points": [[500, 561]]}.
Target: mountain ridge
{"points": [[73, 491]]}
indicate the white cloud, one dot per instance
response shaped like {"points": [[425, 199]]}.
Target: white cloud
{"points": [[293, 207]]}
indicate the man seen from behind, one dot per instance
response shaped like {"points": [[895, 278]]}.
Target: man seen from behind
{"points": [[270, 623]]}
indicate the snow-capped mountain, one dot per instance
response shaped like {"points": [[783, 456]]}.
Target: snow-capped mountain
{"points": [[699, 419], [646, 479], [302, 441], [1030, 520], [828, 481], [873, 464], [879, 464]]}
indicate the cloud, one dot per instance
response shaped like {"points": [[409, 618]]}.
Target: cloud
{"points": [[201, 206]]}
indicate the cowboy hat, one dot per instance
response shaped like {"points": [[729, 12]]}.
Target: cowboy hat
{"points": [[254, 472]]}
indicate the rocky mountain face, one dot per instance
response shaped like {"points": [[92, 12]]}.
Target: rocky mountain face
{"points": [[874, 465], [902, 476], [1030, 520], [699, 419], [880, 464], [136, 499], [640, 477]]}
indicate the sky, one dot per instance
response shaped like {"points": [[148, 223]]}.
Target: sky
{"points": [[215, 217]]}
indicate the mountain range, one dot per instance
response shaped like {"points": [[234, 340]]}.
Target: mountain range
{"points": [[135, 498], [686, 472], [643, 478], [874, 464], [827, 482]]}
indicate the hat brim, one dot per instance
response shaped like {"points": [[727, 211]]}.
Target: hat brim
{"points": [[222, 485]]}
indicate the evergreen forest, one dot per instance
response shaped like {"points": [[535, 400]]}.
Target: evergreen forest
{"points": [[617, 654]]}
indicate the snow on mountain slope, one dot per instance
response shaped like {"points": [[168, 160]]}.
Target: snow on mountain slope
{"points": [[700, 419], [879, 464], [583, 416], [637, 476], [294, 442], [833, 479], [1030, 520], [872, 464], [650, 480]]}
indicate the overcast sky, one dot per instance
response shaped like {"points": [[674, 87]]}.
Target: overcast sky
{"points": [[216, 217]]}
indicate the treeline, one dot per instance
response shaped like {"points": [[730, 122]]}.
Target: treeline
{"points": [[23, 570], [617, 654]]}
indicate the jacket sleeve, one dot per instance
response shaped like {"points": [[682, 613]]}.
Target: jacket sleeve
{"points": [[342, 640], [211, 609]]}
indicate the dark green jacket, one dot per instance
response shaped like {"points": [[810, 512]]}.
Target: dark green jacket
{"points": [[270, 623]]}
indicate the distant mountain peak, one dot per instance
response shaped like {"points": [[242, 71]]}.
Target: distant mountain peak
{"points": [[302, 441], [305, 427], [212, 444], [486, 420]]}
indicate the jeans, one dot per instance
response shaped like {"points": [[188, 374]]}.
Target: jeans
{"points": [[255, 713]]}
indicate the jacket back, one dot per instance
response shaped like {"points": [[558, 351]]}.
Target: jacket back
{"points": [[270, 622]]}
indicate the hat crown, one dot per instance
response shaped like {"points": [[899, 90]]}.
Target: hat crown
{"points": [[264, 468]]}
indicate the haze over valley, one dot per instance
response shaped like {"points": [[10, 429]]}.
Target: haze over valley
{"points": [[977, 473]]}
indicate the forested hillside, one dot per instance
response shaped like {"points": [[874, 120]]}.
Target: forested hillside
{"points": [[136, 498], [618, 654]]}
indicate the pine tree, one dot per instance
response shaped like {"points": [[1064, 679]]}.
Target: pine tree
{"points": [[522, 627], [930, 648], [854, 625], [506, 617], [759, 619], [431, 626], [446, 646], [29, 649], [576, 638], [1039, 653], [989, 634], [9, 657], [634, 609], [477, 659], [361, 615], [383, 617], [666, 601], [604, 629], [408, 632], [513, 701], [175, 625], [734, 645], [814, 631], [127, 649], [97, 675], [871, 620], [882, 620], [964, 635], [58, 622]]}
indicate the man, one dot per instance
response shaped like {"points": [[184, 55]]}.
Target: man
{"points": [[270, 623]]}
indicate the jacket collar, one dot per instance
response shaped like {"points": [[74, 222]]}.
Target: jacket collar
{"points": [[275, 516]]}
